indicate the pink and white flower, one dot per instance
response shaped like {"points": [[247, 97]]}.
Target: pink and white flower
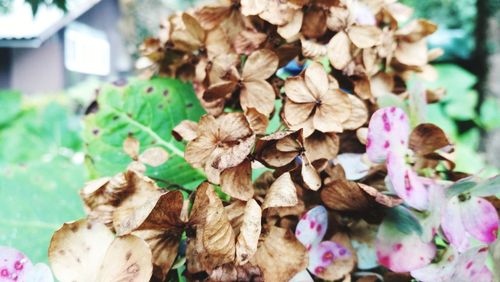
{"points": [[15, 266], [310, 232]]}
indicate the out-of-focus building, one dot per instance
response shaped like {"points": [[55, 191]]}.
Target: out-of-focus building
{"points": [[53, 50]]}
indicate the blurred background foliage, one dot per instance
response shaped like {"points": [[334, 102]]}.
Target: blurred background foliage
{"points": [[41, 147]]}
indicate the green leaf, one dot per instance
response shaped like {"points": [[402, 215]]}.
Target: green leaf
{"points": [[148, 110], [463, 108], [36, 199], [461, 186], [488, 187], [403, 220], [489, 114], [10, 106]]}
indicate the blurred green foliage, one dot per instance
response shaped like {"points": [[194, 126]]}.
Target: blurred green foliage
{"points": [[40, 171]]}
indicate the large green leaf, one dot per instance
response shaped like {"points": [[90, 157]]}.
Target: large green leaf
{"points": [[148, 110], [36, 199], [10, 105]]}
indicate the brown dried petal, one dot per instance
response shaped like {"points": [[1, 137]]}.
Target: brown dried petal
{"points": [[131, 147], [258, 122], [427, 138], [343, 195], [297, 90], [321, 146], [259, 65], [365, 36], [128, 258], [186, 130], [247, 41], [416, 30], [282, 193], [412, 54], [258, 94], [77, 250], [231, 272], [215, 239], [290, 30], [379, 197], [309, 175], [359, 114], [312, 49], [280, 256], [219, 90], [237, 181], [314, 23], [339, 50], [252, 7], [246, 244]]}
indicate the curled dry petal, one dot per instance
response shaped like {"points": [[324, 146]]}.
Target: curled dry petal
{"points": [[412, 54], [260, 65], [344, 195], [339, 50], [282, 193], [358, 116], [416, 30], [427, 138], [214, 240], [258, 122], [309, 175], [246, 244], [280, 243], [321, 146], [186, 130], [258, 94], [154, 156], [365, 36], [237, 181], [231, 272]]}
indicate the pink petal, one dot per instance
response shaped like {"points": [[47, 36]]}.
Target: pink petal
{"points": [[406, 182], [312, 227], [402, 252], [452, 226], [13, 264], [323, 254], [432, 219], [388, 131], [471, 266], [441, 271], [480, 219]]}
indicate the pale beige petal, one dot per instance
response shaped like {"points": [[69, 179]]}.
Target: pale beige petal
{"points": [[412, 54], [258, 94], [282, 193], [234, 155], [259, 65], [186, 130], [288, 144], [219, 90], [365, 36], [233, 126], [321, 146], [199, 150], [246, 244], [359, 114], [297, 91], [339, 50], [291, 30], [258, 121], [316, 79], [252, 7], [237, 181], [309, 175], [297, 113]]}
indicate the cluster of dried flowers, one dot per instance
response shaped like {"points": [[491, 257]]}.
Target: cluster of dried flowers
{"points": [[366, 195]]}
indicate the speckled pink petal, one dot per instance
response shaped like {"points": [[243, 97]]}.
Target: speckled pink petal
{"points": [[480, 219], [39, 273], [388, 131], [402, 252], [471, 266], [452, 226], [441, 271], [431, 220], [323, 254], [406, 183], [312, 227], [13, 264]]}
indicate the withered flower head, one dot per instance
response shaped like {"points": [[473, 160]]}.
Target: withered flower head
{"points": [[314, 103], [221, 143]]}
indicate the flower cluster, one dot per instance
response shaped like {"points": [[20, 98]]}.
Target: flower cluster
{"points": [[294, 139]]}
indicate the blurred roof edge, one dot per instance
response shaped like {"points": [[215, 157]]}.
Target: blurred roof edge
{"points": [[53, 23]]}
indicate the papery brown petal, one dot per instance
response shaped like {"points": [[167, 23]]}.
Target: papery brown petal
{"points": [[231, 272], [234, 155], [219, 90], [337, 19], [258, 94], [297, 113], [282, 193], [186, 130], [427, 138], [309, 175], [246, 244], [362, 86], [128, 258], [77, 250], [235, 212], [314, 23], [365, 36], [316, 80], [217, 43], [399, 11], [416, 30], [321, 146], [252, 7], [288, 144], [312, 49], [359, 114], [278, 13], [247, 41], [210, 17], [370, 61], [233, 127], [215, 240], [276, 158], [91, 190], [237, 181], [381, 84], [343, 195], [412, 54], [379, 197], [193, 27], [260, 65], [297, 91], [280, 256], [258, 122], [340, 267], [339, 50], [290, 30], [154, 156], [334, 109], [198, 150], [131, 147], [335, 172]]}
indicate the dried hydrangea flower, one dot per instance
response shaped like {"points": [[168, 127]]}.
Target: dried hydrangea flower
{"points": [[314, 103]]}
